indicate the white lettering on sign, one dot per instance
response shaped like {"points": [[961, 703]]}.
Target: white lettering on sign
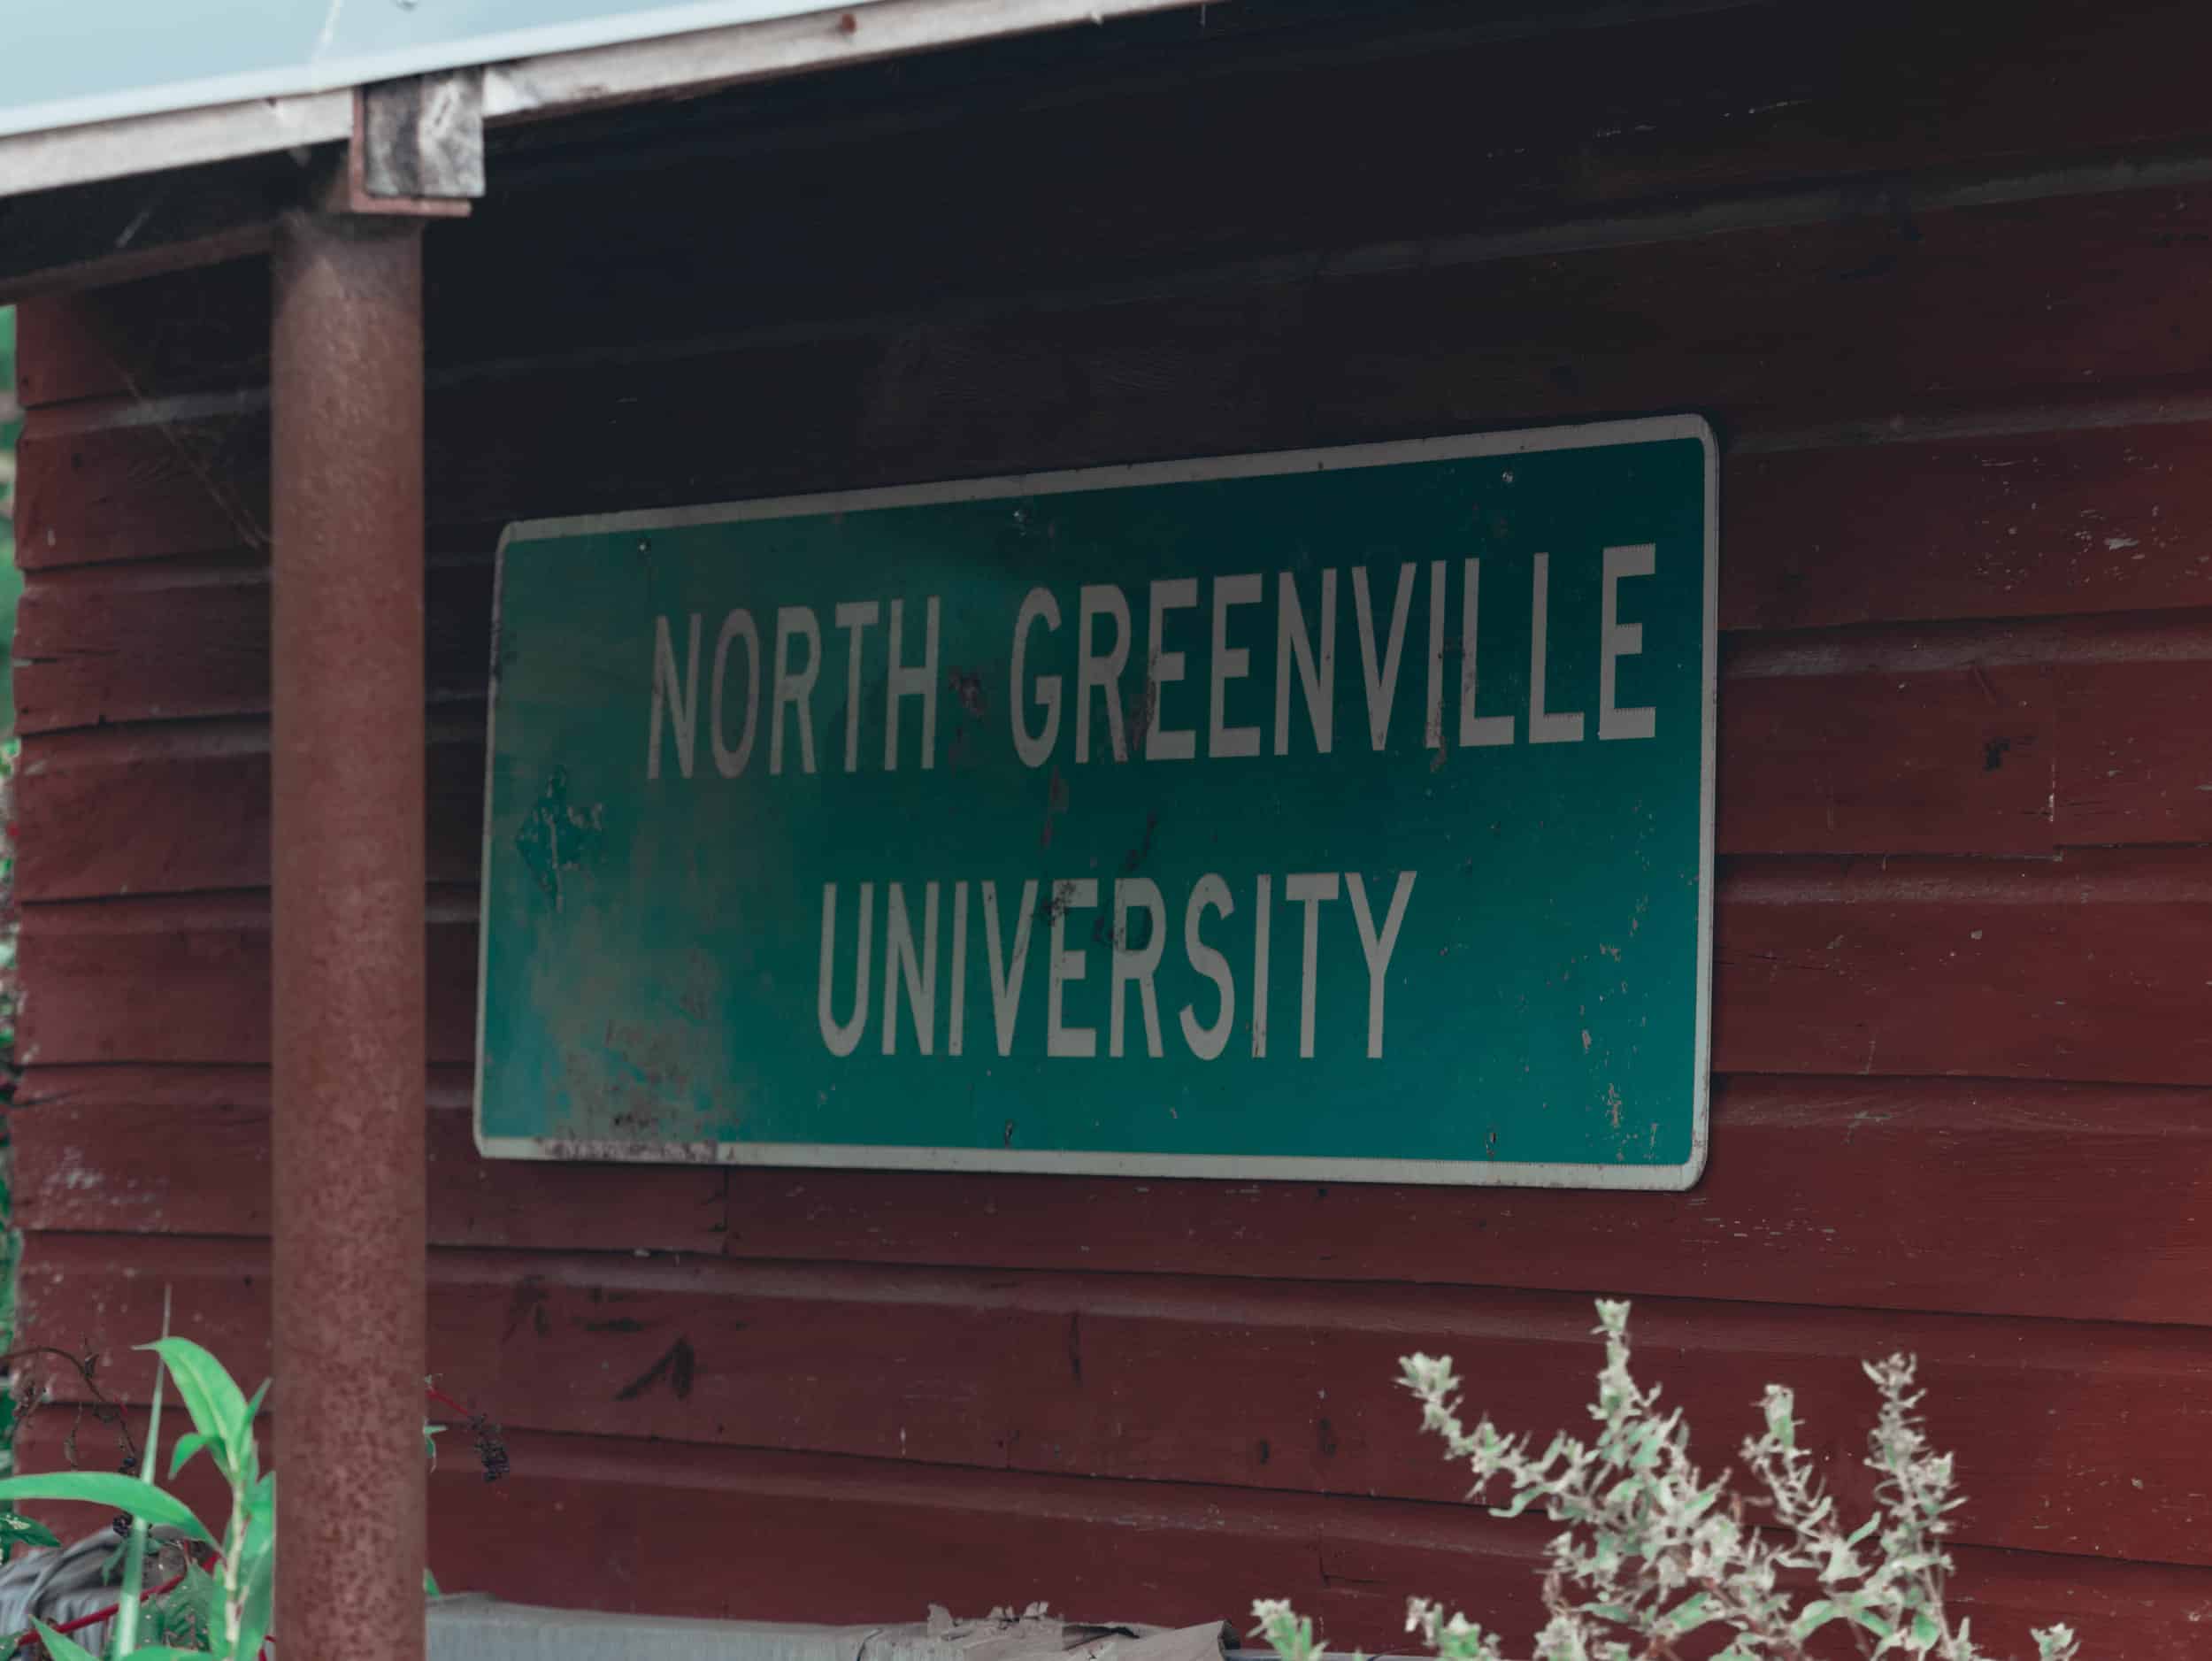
{"points": [[729, 761], [1135, 966], [794, 688], [1033, 748], [1162, 742], [1474, 730], [844, 1037], [957, 1024], [1312, 889], [1231, 663], [1209, 893], [1263, 920], [855, 618], [1317, 674], [1544, 726], [1064, 968], [1381, 677], [1139, 942], [903, 966], [894, 642], [1618, 639], [681, 702], [1378, 947], [1006, 982], [918, 681], [1100, 671], [1433, 733], [877, 634]]}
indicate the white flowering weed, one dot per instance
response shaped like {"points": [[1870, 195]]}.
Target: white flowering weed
{"points": [[1652, 1550]]}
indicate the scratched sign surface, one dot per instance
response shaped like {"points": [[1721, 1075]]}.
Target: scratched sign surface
{"points": [[1341, 814]]}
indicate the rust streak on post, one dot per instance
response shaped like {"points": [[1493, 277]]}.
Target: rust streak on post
{"points": [[348, 832]]}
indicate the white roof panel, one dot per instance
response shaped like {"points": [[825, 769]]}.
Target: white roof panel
{"points": [[70, 62]]}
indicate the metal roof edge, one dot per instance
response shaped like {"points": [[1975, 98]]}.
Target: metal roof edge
{"points": [[346, 70], [546, 83]]}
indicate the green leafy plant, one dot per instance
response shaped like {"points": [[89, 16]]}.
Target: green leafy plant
{"points": [[1654, 1550], [226, 1612], [222, 1608]]}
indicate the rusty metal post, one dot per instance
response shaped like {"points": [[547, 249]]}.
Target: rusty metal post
{"points": [[349, 936]]}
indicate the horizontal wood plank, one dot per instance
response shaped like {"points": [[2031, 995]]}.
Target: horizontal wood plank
{"points": [[1889, 761], [600, 1523], [184, 1150], [2062, 1427], [2132, 765], [1745, 326], [1736, 103], [187, 981], [2089, 520], [1918, 1194], [172, 639], [891, 1538], [2091, 967], [1727, 106], [1828, 1192], [2080, 520], [141, 481], [185, 808]]}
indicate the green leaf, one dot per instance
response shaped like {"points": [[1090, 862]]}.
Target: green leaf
{"points": [[27, 1531], [251, 1453], [259, 1533], [1816, 1615], [60, 1647], [430, 1585], [259, 1579], [185, 1615], [165, 1652], [123, 1632], [186, 1446], [111, 1489], [212, 1396]]}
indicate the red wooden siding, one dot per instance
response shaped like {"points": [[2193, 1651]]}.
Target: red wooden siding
{"points": [[1965, 908]]}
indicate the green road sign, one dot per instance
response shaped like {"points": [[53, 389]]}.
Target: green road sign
{"points": [[1340, 814]]}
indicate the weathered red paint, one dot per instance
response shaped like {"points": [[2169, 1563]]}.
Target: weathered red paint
{"points": [[1062, 1374], [1961, 647], [1849, 1185], [347, 935]]}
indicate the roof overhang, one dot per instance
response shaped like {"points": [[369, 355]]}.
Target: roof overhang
{"points": [[97, 134]]}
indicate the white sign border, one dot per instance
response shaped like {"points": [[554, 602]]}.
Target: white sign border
{"points": [[1307, 1168]]}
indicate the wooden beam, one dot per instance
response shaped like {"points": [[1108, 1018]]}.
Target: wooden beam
{"points": [[58, 240]]}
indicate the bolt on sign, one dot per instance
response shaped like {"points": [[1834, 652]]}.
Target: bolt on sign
{"points": [[1341, 814]]}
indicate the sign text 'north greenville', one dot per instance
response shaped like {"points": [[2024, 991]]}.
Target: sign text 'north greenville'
{"points": [[1228, 614]]}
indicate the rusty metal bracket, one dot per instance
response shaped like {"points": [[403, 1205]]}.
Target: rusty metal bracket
{"points": [[418, 148]]}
